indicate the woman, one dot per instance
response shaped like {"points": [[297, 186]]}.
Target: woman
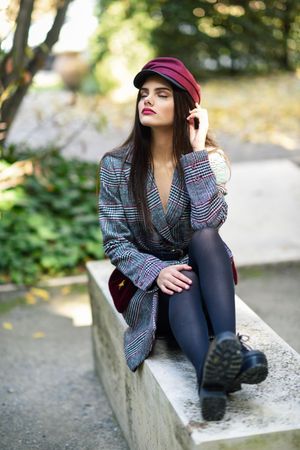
{"points": [[161, 205]]}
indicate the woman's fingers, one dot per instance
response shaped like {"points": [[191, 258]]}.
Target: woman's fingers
{"points": [[166, 291], [180, 275], [198, 108], [181, 284], [178, 268], [195, 114], [182, 267], [170, 288], [180, 280], [174, 285], [198, 111], [183, 279], [171, 280]]}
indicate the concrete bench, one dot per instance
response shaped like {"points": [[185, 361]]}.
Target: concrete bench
{"points": [[157, 407]]}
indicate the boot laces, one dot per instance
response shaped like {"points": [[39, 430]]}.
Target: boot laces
{"points": [[243, 338]]}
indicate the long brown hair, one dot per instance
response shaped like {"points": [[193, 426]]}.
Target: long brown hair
{"points": [[139, 142]]}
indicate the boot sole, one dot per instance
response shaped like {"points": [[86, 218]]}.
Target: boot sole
{"points": [[213, 404], [255, 373], [221, 368]]}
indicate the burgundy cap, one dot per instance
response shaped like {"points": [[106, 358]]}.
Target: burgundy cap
{"points": [[173, 70]]}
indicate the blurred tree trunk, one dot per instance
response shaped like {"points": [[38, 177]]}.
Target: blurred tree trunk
{"points": [[19, 66], [287, 20]]}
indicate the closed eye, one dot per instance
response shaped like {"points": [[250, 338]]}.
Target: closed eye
{"points": [[161, 92], [159, 95]]}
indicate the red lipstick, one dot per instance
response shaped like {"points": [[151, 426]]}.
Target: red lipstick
{"points": [[148, 111]]}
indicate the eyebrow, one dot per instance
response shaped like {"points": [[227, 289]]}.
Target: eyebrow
{"points": [[156, 89]]}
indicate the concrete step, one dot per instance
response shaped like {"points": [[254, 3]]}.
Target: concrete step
{"points": [[263, 218], [157, 406]]}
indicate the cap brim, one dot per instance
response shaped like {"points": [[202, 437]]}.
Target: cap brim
{"points": [[141, 76]]}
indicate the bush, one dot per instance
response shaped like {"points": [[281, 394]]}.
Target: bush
{"points": [[49, 223]]}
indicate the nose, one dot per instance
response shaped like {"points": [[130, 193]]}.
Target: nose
{"points": [[148, 100]]}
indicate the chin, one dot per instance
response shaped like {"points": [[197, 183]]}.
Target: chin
{"points": [[147, 122]]}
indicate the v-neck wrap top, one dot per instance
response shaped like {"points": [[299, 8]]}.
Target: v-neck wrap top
{"points": [[195, 204]]}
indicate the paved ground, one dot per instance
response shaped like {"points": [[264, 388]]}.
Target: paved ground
{"points": [[50, 397], [273, 293], [51, 117], [263, 220]]}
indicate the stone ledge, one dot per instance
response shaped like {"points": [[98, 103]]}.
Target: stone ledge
{"points": [[157, 407]]}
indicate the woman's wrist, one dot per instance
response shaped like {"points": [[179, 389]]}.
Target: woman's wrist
{"points": [[199, 148]]}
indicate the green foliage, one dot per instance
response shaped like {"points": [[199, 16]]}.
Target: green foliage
{"points": [[49, 224], [121, 43], [210, 36], [228, 36]]}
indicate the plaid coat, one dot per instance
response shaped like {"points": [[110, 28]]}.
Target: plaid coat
{"points": [[140, 256]]}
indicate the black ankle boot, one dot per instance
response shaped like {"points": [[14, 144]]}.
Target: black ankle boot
{"points": [[254, 367], [222, 364]]}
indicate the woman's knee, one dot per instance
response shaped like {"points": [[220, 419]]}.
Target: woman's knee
{"points": [[191, 275], [205, 233], [203, 236]]}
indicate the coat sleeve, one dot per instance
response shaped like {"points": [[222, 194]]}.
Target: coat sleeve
{"points": [[141, 268], [208, 206], [220, 168]]}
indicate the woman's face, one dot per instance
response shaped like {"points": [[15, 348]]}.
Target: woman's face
{"points": [[156, 104]]}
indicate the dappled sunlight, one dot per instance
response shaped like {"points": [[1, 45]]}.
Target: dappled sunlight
{"points": [[287, 142], [79, 311], [70, 301], [258, 109]]}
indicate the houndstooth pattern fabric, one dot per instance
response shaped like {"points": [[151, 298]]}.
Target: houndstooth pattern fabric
{"points": [[141, 255]]}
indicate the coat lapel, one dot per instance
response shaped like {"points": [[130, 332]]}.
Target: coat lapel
{"points": [[156, 209], [178, 200]]}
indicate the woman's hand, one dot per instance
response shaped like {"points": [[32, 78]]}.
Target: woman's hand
{"points": [[198, 136], [171, 280]]}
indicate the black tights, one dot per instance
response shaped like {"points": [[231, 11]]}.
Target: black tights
{"points": [[208, 307]]}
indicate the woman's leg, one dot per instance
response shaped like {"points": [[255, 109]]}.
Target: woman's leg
{"points": [[209, 259], [187, 321]]}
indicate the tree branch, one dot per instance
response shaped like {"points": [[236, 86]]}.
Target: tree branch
{"points": [[42, 51], [10, 106], [21, 34], [53, 33]]}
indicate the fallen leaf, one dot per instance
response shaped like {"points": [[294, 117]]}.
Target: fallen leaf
{"points": [[42, 293], [66, 290], [7, 325], [30, 298], [38, 335]]}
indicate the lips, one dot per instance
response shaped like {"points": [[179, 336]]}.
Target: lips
{"points": [[148, 111]]}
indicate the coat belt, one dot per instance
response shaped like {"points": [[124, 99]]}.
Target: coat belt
{"points": [[174, 253]]}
